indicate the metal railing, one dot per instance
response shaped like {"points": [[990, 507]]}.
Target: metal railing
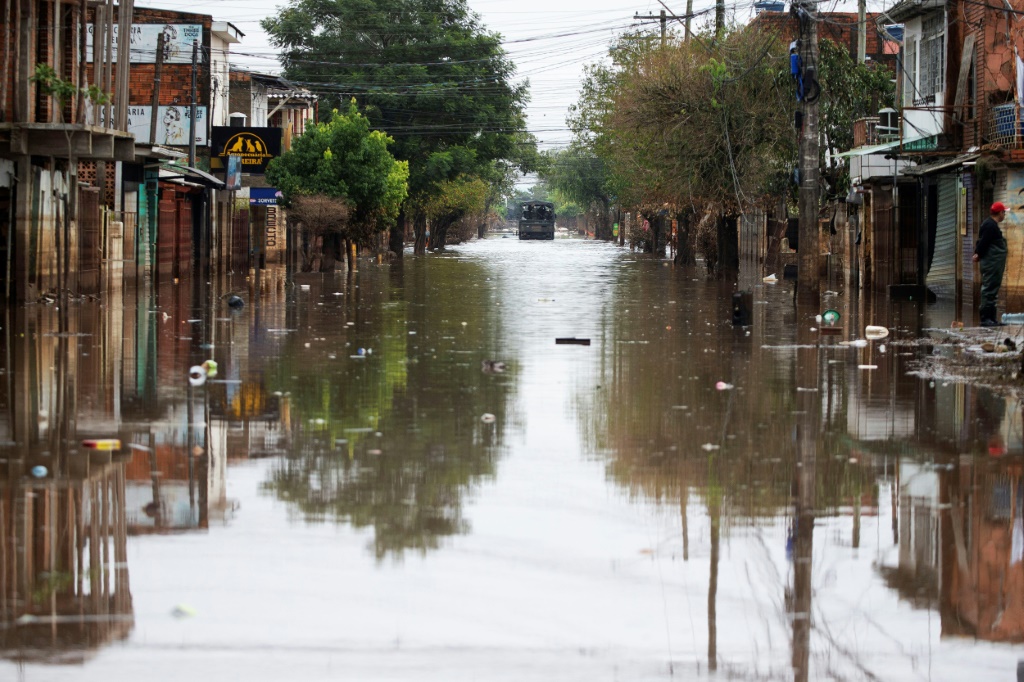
{"points": [[1004, 125]]}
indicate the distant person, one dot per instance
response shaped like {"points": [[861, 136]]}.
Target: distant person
{"points": [[990, 254]]}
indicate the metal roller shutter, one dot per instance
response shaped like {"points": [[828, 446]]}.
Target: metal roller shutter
{"points": [[942, 274]]}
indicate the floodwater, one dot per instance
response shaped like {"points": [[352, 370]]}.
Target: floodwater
{"points": [[363, 492]]}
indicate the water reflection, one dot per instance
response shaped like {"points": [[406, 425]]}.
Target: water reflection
{"points": [[819, 512], [64, 587], [811, 439], [386, 396]]}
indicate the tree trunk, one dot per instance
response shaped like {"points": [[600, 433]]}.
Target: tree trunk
{"points": [[728, 245], [684, 240], [396, 238], [419, 226], [352, 252], [603, 228]]}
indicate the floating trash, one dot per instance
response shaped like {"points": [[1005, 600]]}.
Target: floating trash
{"points": [[106, 444], [235, 302], [488, 418], [196, 375], [722, 386], [39, 471], [830, 317], [571, 341], [183, 611], [770, 279], [708, 447], [867, 366], [211, 368], [874, 332]]}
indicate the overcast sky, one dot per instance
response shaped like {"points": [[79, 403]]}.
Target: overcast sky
{"points": [[549, 41]]}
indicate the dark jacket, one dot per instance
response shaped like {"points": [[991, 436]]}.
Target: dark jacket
{"points": [[988, 235]]}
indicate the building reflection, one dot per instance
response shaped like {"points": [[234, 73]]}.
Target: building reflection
{"points": [[64, 584]]}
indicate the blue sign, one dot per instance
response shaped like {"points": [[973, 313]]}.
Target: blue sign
{"points": [[263, 196]]}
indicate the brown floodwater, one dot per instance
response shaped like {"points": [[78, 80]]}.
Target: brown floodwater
{"points": [[399, 474]]}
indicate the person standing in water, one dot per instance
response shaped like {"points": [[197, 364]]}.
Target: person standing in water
{"points": [[990, 254]]}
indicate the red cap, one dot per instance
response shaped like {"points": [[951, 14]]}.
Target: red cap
{"points": [[997, 207]]}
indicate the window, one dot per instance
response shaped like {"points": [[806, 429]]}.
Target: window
{"points": [[933, 55], [910, 70]]}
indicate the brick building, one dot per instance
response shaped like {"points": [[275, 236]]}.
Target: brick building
{"points": [[840, 28], [99, 192]]}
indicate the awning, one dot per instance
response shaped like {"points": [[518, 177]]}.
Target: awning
{"points": [[879, 148], [194, 174], [942, 164], [873, 149]]}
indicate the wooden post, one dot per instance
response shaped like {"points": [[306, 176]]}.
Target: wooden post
{"points": [[124, 32], [808, 279], [153, 116]]}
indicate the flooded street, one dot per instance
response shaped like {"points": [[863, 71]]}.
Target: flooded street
{"points": [[400, 475]]}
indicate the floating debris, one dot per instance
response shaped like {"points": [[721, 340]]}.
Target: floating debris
{"points": [[235, 302], [572, 341], [488, 418], [709, 447], [722, 386], [874, 332]]}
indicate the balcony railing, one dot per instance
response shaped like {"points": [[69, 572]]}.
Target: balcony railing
{"points": [[864, 131], [1004, 126]]}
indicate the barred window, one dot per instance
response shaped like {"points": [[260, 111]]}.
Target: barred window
{"points": [[910, 71], [933, 55]]}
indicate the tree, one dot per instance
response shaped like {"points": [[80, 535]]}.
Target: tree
{"points": [[849, 91], [427, 73], [455, 200], [344, 159], [321, 217], [580, 176]]}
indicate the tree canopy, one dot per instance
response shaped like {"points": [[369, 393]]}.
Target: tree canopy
{"points": [[343, 158], [426, 71]]}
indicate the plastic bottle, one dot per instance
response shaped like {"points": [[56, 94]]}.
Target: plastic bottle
{"points": [[1013, 318]]}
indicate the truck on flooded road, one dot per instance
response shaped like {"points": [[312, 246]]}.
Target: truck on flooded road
{"points": [[537, 220]]}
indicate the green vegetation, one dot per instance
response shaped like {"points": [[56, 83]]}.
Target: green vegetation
{"points": [[428, 74], [342, 158]]}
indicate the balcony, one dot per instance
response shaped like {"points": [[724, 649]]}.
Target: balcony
{"points": [[865, 132], [1004, 126]]}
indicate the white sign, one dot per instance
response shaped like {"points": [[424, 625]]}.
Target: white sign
{"points": [[172, 124], [178, 39]]}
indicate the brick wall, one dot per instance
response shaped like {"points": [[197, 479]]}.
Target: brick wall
{"points": [[240, 95], [175, 79], [993, 68], [839, 27]]}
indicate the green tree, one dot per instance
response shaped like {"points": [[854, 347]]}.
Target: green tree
{"points": [[578, 175], [849, 91], [427, 73], [343, 158]]}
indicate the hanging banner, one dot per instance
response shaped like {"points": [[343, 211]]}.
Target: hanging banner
{"points": [[172, 124], [178, 39], [254, 146], [233, 177]]}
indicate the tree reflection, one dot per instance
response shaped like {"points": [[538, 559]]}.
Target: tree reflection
{"points": [[393, 439]]}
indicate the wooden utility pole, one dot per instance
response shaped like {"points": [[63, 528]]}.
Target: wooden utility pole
{"points": [[662, 18], [689, 15], [154, 119], [719, 19], [862, 31], [808, 279], [192, 108]]}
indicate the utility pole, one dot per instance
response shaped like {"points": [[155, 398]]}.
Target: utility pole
{"points": [[153, 118], [192, 108], [862, 31], [808, 279], [663, 18], [689, 15], [719, 19]]}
